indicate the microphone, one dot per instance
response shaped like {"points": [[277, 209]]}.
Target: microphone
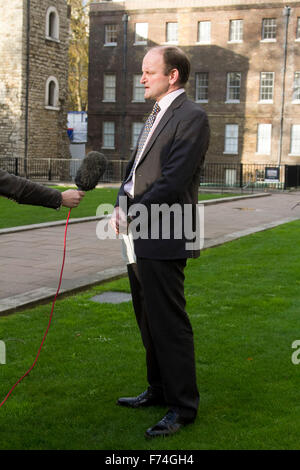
{"points": [[90, 171]]}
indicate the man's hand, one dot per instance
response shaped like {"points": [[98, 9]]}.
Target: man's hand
{"points": [[72, 197], [118, 221]]}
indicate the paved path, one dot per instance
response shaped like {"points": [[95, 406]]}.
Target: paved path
{"points": [[30, 260]]}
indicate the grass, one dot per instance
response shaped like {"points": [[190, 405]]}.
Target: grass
{"points": [[243, 299], [13, 215]]}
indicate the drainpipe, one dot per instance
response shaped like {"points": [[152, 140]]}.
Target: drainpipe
{"points": [[27, 88], [125, 19], [286, 14]]}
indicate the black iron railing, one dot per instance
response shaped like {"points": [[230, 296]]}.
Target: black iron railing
{"points": [[244, 176]]}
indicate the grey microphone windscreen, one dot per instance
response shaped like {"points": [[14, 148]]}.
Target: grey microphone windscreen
{"points": [[90, 171]]}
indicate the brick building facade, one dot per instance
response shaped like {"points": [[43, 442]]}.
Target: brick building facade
{"points": [[34, 38], [245, 73]]}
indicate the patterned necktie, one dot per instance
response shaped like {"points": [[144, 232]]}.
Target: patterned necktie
{"points": [[143, 138]]}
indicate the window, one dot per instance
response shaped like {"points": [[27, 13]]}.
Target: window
{"points": [[295, 139], [233, 87], [172, 32], [52, 24], [111, 35], [204, 29], [109, 87], [141, 33], [266, 87], [298, 30], [296, 90], [52, 93], [202, 86], [264, 132], [108, 135], [236, 30], [269, 29], [231, 138], [138, 89], [136, 130]]}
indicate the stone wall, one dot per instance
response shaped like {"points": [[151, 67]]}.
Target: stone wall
{"points": [[22, 76], [11, 71]]}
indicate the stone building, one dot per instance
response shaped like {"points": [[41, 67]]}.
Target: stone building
{"points": [[245, 73], [33, 79]]}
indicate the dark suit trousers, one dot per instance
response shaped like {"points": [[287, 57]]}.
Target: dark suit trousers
{"points": [[157, 288]]}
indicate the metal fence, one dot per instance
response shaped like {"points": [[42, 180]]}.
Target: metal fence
{"points": [[58, 170], [213, 175]]}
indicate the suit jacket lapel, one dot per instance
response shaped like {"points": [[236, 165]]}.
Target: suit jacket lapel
{"points": [[164, 120]]}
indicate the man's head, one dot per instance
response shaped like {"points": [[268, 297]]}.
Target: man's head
{"points": [[165, 69]]}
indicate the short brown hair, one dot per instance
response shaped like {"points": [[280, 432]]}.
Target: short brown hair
{"points": [[175, 58]]}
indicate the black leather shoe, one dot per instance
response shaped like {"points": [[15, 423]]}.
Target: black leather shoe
{"points": [[147, 398], [168, 425]]}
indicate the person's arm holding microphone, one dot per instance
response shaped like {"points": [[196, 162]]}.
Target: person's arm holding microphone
{"points": [[25, 191]]}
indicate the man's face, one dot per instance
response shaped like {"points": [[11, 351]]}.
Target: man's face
{"points": [[155, 81]]}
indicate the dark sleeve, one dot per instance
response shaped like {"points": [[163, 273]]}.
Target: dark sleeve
{"points": [[25, 191]]}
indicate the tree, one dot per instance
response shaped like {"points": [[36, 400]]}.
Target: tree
{"points": [[78, 55]]}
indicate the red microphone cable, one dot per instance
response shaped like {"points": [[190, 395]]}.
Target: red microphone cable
{"points": [[51, 315]]}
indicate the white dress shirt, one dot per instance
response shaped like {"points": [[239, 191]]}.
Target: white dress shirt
{"points": [[164, 103]]}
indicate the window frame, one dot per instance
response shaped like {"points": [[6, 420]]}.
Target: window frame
{"points": [[199, 87], [106, 32], [263, 31], [292, 151], [55, 106], [144, 41], [52, 11], [206, 40], [231, 143], [107, 88], [261, 85], [240, 31], [106, 145], [171, 41], [229, 88], [136, 85], [261, 145]]}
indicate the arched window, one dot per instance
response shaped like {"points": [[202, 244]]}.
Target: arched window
{"points": [[52, 24], [52, 93]]}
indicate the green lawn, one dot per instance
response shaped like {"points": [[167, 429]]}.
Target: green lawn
{"points": [[13, 215], [243, 299]]}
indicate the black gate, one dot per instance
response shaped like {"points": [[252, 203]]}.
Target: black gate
{"points": [[292, 176]]}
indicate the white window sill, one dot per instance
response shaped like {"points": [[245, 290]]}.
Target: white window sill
{"points": [[268, 40], [108, 148], [297, 40], [52, 108], [265, 102], [138, 101], [203, 43], [230, 153], [108, 101], [201, 101], [237, 41], [260, 154], [294, 154], [140, 43], [171, 42], [110, 44], [232, 101], [296, 102], [49, 38]]}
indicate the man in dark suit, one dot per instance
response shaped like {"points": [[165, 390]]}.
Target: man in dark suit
{"points": [[165, 170], [25, 191]]}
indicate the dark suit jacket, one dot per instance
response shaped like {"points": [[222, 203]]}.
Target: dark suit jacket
{"points": [[169, 173], [26, 192]]}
